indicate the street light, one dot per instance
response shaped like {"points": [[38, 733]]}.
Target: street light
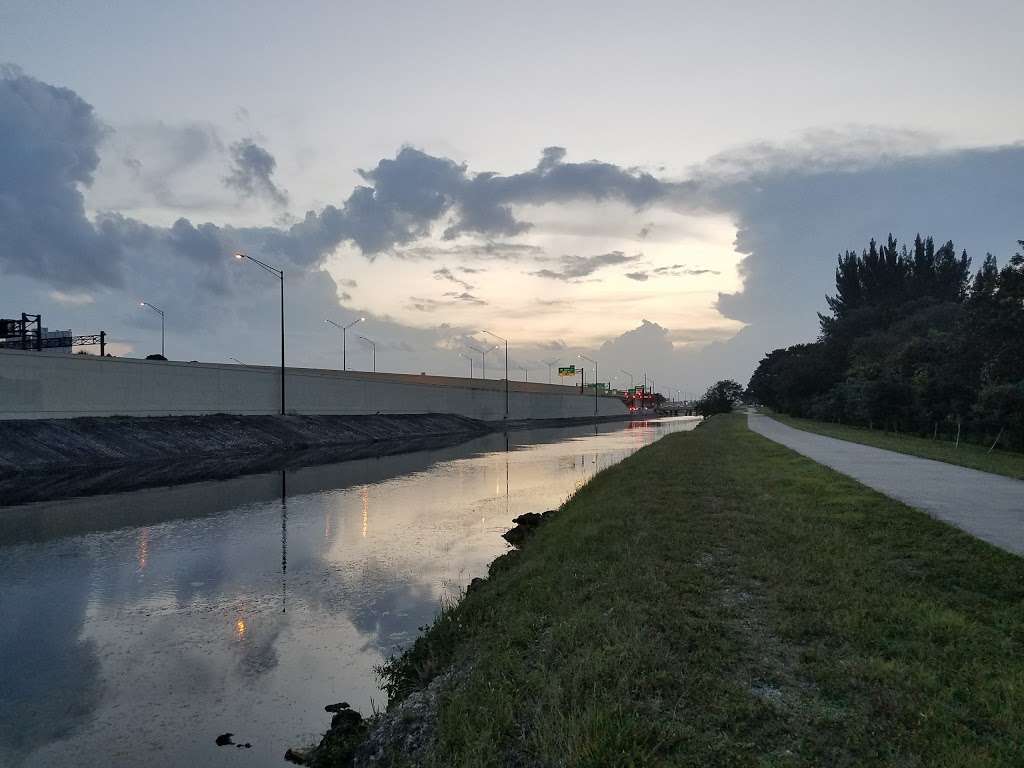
{"points": [[584, 357], [526, 373], [622, 370], [463, 354], [236, 360], [499, 338], [161, 313], [279, 274], [549, 363], [344, 339], [483, 356], [374, 348]]}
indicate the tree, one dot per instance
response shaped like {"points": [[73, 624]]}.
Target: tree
{"points": [[912, 342], [721, 397]]}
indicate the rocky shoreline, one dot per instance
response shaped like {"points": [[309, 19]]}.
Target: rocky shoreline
{"points": [[50, 459]]}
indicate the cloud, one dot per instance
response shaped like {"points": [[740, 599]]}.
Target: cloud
{"points": [[795, 206], [158, 164], [348, 283], [576, 267], [487, 251], [638, 276], [446, 274], [72, 299], [677, 270], [466, 298], [251, 172], [49, 145]]}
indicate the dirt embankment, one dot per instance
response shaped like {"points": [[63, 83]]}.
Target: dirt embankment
{"points": [[67, 444]]}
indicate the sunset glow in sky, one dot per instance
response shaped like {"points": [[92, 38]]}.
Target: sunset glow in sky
{"points": [[665, 185]]}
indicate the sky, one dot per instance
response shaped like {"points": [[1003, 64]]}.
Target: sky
{"points": [[663, 187]]}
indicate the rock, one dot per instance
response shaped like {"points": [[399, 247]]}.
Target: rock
{"points": [[347, 720], [224, 739], [336, 707], [297, 756], [529, 520], [517, 536]]}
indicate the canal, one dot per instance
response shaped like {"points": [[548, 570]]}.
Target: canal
{"points": [[137, 627]]}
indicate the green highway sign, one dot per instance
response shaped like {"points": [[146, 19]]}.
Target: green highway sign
{"points": [[567, 371]]}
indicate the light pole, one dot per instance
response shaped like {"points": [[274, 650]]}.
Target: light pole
{"points": [[499, 338], [549, 363], [483, 356], [463, 354], [236, 360], [344, 339], [526, 373], [161, 313], [279, 274], [374, 348], [622, 370], [584, 357]]}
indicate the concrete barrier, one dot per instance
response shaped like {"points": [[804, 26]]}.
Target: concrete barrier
{"points": [[36, 386]]}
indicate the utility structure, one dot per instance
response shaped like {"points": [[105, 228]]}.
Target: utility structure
{"points": [[279, 274], [499, 338], [28, 334], [161, 313], [589, 360], [374, 348], [344, 339], [463, 354]]}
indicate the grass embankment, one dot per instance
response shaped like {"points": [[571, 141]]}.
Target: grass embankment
{"points": [[718, 600], [967, 455]]}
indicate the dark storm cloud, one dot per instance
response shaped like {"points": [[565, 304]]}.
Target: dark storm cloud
{"points": [[252, 171], [48, 141], [577, 267], [792, 220], [50, 150]]}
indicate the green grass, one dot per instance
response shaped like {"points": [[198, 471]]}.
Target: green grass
{"points": [[717, 600], [967, 455]]}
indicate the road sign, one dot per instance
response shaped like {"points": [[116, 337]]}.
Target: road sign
{"points": [[567, 371]]}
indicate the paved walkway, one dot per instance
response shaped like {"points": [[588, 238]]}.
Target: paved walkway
{"points": [[988, 506]]}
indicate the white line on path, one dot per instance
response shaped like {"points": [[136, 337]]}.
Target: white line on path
{"points": [[988, 506]]}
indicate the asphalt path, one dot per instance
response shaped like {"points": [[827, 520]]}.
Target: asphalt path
{"points": [[988, 506]]}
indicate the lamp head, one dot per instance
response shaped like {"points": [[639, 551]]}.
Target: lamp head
{"points": [[239, 255]]}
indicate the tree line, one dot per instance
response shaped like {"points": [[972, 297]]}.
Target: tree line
{"points": [[913, 342]]}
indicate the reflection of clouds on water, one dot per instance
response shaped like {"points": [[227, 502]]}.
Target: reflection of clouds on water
{"points": [[49, 677], [185, 617]]}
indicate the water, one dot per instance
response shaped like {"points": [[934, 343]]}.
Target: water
{"points": [[136, 627]]}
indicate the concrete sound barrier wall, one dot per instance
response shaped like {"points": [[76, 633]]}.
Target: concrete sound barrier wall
{"points": [[37, 386]]}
